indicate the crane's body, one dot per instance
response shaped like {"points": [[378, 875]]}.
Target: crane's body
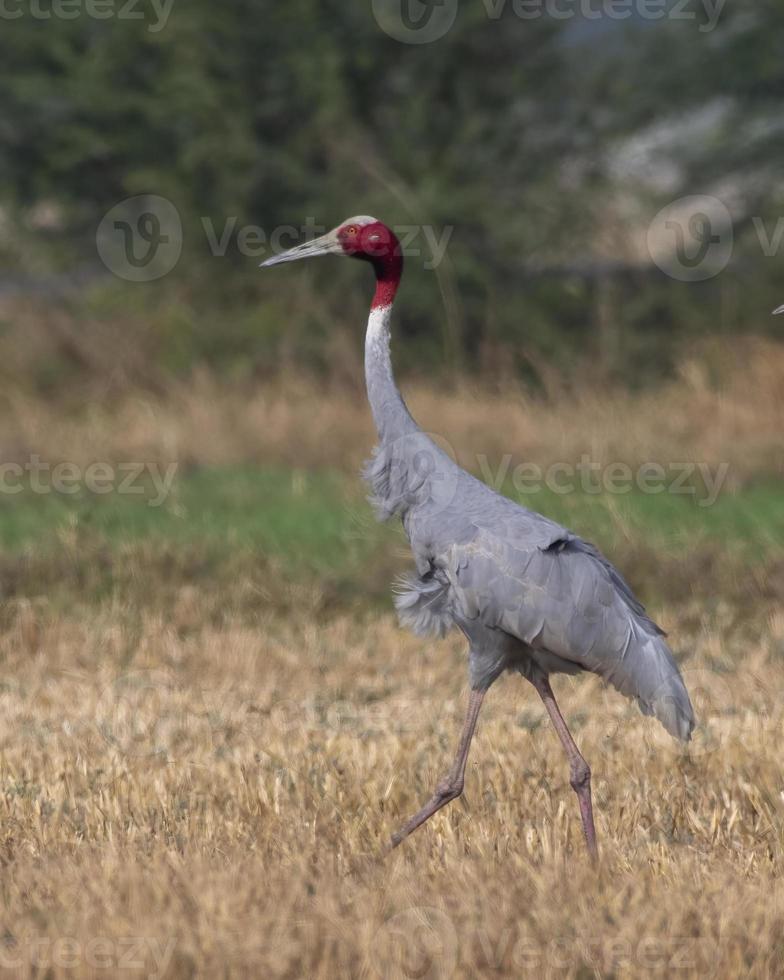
{"points": [[528, 594]]}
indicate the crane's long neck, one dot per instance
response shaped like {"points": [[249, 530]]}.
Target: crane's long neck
{"points": [[390, 413]]}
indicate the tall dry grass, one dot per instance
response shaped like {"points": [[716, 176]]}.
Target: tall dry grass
{"points": [[726, 405]]}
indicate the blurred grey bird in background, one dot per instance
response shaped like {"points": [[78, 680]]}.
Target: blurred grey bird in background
{"points": [[528, 594]]}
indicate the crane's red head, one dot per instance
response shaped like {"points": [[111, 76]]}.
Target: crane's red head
{"points": [[362, 237]]}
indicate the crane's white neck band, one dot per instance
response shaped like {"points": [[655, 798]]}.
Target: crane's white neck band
{"points": [[389, 411]]}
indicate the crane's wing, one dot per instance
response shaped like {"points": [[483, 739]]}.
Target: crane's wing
{"points": [[559, 594]]}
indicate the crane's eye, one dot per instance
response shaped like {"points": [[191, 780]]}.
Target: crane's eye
{"points": [[352, 230]]}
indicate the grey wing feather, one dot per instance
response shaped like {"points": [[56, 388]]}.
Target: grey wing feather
{"points": [[482, 557], [564, 598]]}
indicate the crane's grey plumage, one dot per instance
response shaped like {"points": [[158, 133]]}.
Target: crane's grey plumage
{"points": [[487, 566], [528, 594]]}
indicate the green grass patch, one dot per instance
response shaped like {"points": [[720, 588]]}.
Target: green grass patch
{"points": [[266, 527], [322, 521], [749, 522], [314, 520]]}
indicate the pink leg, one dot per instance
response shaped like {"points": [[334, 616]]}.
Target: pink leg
{"points": [[579, 772], [451, 787]]}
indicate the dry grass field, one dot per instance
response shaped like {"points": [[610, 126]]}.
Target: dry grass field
{"points": [[202, 759], [182, 800], [736, 417]]}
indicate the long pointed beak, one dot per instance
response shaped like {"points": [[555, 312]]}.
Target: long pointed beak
{"points": [[308, 250], [779, 310]]}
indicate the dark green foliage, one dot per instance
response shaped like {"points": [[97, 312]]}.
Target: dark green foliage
{"points": [[272, 113]]}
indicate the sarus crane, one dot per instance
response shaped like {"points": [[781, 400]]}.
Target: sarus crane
{"points": [[528, 595]]}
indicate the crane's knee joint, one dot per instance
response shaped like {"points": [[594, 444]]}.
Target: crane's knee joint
{"points": [[580, 776], [449, 789]]}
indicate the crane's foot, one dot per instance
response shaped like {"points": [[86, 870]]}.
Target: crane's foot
{"points": [[445, 792], [452, 786]]}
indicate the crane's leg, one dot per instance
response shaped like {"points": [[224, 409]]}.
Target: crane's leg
{"points": [[451, 787], [580, 774]]}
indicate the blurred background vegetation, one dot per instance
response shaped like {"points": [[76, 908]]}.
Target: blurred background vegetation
{"points": [[542, 147]]}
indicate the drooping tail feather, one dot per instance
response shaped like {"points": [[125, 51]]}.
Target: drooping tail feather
{"points": [[649, 673]]}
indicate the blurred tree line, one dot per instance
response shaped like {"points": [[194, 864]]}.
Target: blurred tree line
{"points": [[519, 139]]}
